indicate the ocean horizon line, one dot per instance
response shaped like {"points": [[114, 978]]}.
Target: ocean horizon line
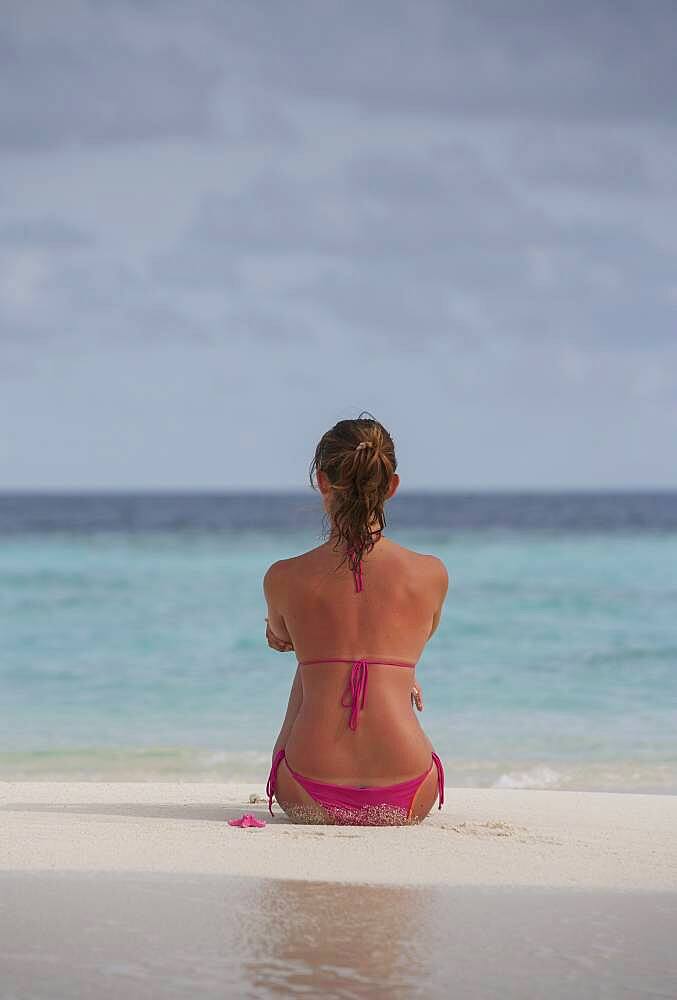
{"points": [[240, 491]]}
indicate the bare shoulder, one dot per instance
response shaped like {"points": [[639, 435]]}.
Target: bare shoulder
{"points": [[432, 567], [438, 572], [275, 573], [280, 573]]}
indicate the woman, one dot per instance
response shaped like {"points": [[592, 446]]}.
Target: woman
{"points": [[357, 611]]}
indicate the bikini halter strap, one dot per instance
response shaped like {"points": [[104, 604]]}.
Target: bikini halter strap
{"points": [[357, 573]]}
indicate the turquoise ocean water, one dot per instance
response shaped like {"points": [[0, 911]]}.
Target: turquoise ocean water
{"points": [[132, 636]]}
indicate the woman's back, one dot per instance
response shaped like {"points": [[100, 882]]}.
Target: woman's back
{"points": [[391, 616], [389, 619]]}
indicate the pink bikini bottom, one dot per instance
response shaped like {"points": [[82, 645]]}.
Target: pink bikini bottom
{"points": [[378, 805]]}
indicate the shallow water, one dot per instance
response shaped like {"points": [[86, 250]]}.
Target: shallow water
{"points": [[132, 636]]}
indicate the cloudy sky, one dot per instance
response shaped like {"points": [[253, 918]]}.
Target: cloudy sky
{"points": [[226, 225]]}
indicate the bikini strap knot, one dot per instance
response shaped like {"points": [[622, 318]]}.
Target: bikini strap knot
{"points": [[356, 689]]}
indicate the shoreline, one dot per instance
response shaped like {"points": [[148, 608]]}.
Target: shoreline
{"points": [[165, 764]]}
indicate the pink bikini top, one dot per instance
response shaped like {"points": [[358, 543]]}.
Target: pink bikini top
{"points": [[356, 687]]}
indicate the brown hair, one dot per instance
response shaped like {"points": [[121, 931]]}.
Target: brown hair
{"points": [[358, 457]]}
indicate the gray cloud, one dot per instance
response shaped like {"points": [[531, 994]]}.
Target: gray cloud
{"points": [[577, 62], [80, 73], [598, 163], [43, 233], [434, 244], [421, 214], [90, 73]]}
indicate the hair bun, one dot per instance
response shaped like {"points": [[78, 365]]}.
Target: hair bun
{"points": [[358, 459]]}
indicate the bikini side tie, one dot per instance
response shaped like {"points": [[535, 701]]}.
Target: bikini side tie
{"points": [[357, 689]]}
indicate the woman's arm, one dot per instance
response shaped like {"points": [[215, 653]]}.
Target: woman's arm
{"points": [[279, 638], [442, 581], [442, 585], [293, 706], [276, 629]]}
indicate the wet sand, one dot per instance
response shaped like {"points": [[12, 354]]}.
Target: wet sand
{"points": [[146, 935]]}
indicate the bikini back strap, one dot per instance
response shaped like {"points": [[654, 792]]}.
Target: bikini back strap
{"points": [[345, 659], [356, 688]]}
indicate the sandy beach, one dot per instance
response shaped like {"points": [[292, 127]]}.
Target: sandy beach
{"points": [[138, 890], [491, 837]]}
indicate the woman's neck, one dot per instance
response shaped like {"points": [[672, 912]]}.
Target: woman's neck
{"points": [[377, 534]]}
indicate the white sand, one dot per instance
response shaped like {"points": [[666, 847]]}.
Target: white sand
{"points": [[488, 837]]}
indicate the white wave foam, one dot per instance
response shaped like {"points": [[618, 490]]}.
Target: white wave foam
{"points": [[536, 777], [212, 759]]}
